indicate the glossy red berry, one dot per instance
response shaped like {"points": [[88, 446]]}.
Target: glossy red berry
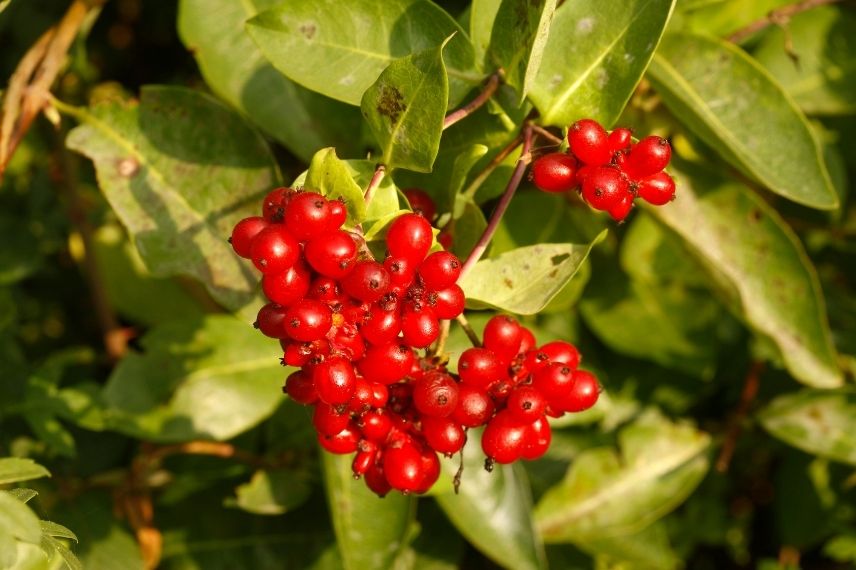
{"points": [[335, 381], [435, 394], [270, 320], [658, 189], [403, 467], [554, 381], [308, 320], [380, 394], [447, 303], [402, 271], [582, 395], [338, 213], [430, 469], [273, 206], [288, 287], [274, 250], [503, 335], [555, 172], [504, 438], [342, 443], [474, 407], [367, 281], [443, 435], [409, 236], [589, 142], [421, 203], [479, 367], [420, 328], [300, 388], [526, 404], [323, 289], [561, 351], [364, 458], [376, 480], [329, 420], [308, 215], [620, 139], [381, 326], [386, 363], [604, 187], [243, 234], [527, 341], [332, 254], [440, 270], [649, 156], [375, 426], [361, 401], [621, 209], [537, 439]]}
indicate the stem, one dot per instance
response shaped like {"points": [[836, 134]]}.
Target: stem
{"points": [[779, 17], [547, 134], [474, 105], [379, 173], [471, 190], [747, 396], [471, 334], [495, 218], [440, 345]]}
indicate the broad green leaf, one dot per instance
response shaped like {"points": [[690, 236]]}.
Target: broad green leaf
{"points": [[524, 280], [821, 422], [760, 267], [371, 532], [208, 379], [723, 17], [595, 57], [467, 229], [8, 550], [57, 530], [608, 492], [518, 39], [730, 101], [339, 49], [824, 79], [17, 469], [482, 16], [17, 520], [23, 495], [645, 550], [841, 548], [273, 492], [492, 510], [330, 176], [180, 170], [235, 69], [49, 543], [405, 109]]}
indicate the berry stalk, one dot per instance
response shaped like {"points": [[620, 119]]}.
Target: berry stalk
{"points": [[489, 89]]}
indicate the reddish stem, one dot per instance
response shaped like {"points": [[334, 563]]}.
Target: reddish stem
{"points": [[474, 105]]}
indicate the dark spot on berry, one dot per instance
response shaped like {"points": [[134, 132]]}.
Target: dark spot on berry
{"points": [[374, 284], [442, 399], [565, 370], [263, 262]]}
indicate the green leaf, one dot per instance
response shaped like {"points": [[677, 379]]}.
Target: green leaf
{"points": [[524, 280], [841, 548], [331, 177], [760, 267], [23, 495], [370, 532], [273, 492], [607, 493], [17, 469], [180, 170], [57, 530], [595, 57], [236, 70], [312, 41], [209, 379], [518, 39], [67, 556], [824, 80], [732, 104], [405, 109], [821, 422], [493, 510], [648, 549], [482, 16], [467, 229], [723, 17], [17, 520]]}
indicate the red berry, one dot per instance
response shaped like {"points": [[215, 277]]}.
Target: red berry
{"points": [[420, 328], [338, 213], [421, 203], [658, 189], [386, 363], [582, 395], [308, 215], [364, 459], [273, 206], [328, 420], [361, 401], [561, 351], [503, 335], [526, 404], [335, 381], [621, 208], [435, 394], [430, 469], [367, 281], [375, 426], [308, 320], [323, 289], [535, 360], [440, 270], [403, 467], [300, 388], [288, 287], [447, 303], [274, 250], [349, 343], [342, 443], [527, 341], [376, 481], [409, 236], [443, 435], [244, 233], [504, 438], [537, 439], [604, 187], [555, 172], [270, 320], [589, 142], [474, 406], [619, 139], [381, 326], [649, 156], [402, 271], [554, 381], [332, 254], [380, 394], [479, 367]]}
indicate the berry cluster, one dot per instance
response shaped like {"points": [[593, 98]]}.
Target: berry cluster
{"points": [[608, 169]]}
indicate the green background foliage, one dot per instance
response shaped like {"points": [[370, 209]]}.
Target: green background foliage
{"points": [[722, 326]]}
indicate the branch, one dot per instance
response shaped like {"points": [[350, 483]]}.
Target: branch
{"points": [[471, 334], [747, 396], [779, 16], [379, 173], [471, 190], [474, 105]]}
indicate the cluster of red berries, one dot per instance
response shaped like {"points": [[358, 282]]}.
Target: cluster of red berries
{"points": [[608, 169]]}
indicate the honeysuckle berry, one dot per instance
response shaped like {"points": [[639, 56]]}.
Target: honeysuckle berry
{"points": [[331, 254], [658, 189], [410, 237], [421, 203], [619, 139], [589, 142], [435, 394], [554, 172], [603, 187], [274, 250], [308, 215], [649, 156], [244, 232], [443, 435], [288, 287]]}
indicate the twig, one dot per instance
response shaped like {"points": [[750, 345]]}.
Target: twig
{"points": [[474, 105], [471, 190], [495, 218], [471, 334], [379, 173], [779, 17], [440, 345], [747, 396], [547, 134]]}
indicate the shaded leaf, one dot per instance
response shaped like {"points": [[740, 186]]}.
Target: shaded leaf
{"points": [[330, 177], [524, 280], [311, 41], [17, 469], [606, 493], [595, 57], [732, 103], [518, 38], [723, 17], [235, 69], [821, 422], [405, 108], [23, 495], [482, 16], [17, 520], [57, 530], [180, 170], [273, 492], [648, 549], [760, 267], [365, 545], [67, 556], [492, 510]]}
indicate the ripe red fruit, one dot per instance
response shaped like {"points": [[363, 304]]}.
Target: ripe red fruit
{"points": [[308, 215], [443, 435], [273, 206], [376, 480], [604, 187], [243, 234], [440, 270], [555, 172], [403, 467], [308, 320], [582, 395], [504, 438], [619, 139], [342, 443], [479, 367], [365, 457], [334, 381], [527, 341], [554, 381], [381, 326], [375, 426], [561, 351], [435, 394], [380, 394], [300, 388], [537, 439], [332, 254], [386, 363], [367, 281], [589, 142], [502, 335], [620, 210], [526, 404], [402, 271], [328, 420], [338, 213], [421, 203], [270, 320], [409, 236], [658, 189], [420, 328], [649, 156], [430, 469], [288, 287], [447, 303], [474, 406], [274, 250]]}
